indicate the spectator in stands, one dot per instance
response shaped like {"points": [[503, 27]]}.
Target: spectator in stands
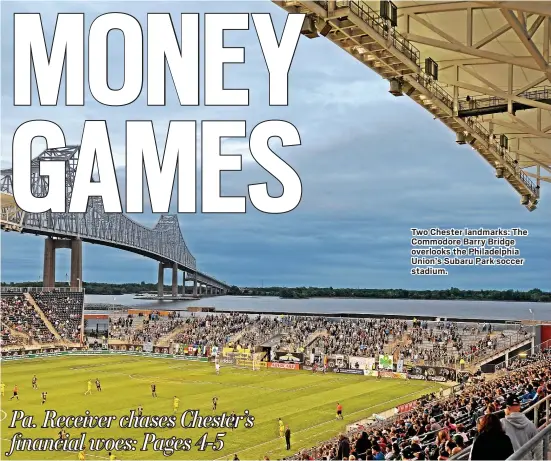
{"points": [[516, 425], [363, 445], [377, 453], [491, 442], [344, 447]]}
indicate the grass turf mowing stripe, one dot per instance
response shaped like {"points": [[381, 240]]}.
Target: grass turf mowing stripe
{"points": [[304, 400]]}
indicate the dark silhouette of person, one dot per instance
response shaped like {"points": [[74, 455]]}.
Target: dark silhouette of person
{"points": [[288, 437]]}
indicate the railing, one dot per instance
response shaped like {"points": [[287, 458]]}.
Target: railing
{"points": [[545, 346], [536, 418], [435, 89], [537, 448], [483, 102], [503, 153], [373, 19], [10, 289], [510, 341]]}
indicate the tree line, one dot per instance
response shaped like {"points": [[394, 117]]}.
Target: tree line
{"points": [[114, 289]]}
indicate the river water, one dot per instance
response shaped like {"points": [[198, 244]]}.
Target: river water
{"points": [[497, 310]]}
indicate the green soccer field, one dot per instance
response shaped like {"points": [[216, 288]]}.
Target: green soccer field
{"points": [[304, 401]]}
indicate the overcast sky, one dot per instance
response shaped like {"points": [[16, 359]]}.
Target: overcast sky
{"points": [[372, 166]]}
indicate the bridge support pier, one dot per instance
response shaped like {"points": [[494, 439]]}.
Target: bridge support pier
{"points": [[161, 280], [50, 246], [48, 276], [76, 263], [195, 285], [174, 279]]}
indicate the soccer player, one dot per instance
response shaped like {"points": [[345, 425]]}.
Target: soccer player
{"points": [[140, 410], [153, 390], [112, 457], [339, 411], [214, 403], [35, 382], [44, 395], [98, 385], [82, 454], [176, 403], [15, 392], [217, 367], [2, 389], [233, 419], [281, 428], [61, 434], [89, 391]]}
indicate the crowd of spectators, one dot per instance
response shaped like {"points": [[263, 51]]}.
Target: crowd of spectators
{"points": [[8, 339], [419, 342], [64, 311], [215, 330], [19, 315], [484, 417], [445, 343], [143, 329], [359, 337]]}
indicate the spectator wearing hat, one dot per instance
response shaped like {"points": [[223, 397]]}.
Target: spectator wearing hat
{"points": [[516, 425]]}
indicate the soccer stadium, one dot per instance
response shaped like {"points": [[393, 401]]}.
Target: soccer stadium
{"points": [[398, 388]]}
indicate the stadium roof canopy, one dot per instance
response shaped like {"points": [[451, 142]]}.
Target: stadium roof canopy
{"points": [[493, 75]]}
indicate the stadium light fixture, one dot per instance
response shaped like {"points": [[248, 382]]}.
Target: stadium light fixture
{"points": [[395, 87]]}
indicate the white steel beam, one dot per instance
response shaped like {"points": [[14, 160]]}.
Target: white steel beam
{"points": [[521, 61], [522, 34]]}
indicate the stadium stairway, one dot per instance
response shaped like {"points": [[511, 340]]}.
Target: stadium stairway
{"points": [[33, 303], [165, 340], [17, 334], [315, 335]]}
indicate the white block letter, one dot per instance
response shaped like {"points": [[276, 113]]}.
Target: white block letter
{"points": [[98, 59], [278, 57], [67, 45], [180, 154], [95, 146], [212, 133], [216, 55], [23, 175], [261, 152], [182, 64]]}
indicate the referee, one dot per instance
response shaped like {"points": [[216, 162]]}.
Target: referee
{"points": [[288, 437]]}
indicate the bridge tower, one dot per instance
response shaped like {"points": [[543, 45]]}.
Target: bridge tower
{"points": [[50, 246]]}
